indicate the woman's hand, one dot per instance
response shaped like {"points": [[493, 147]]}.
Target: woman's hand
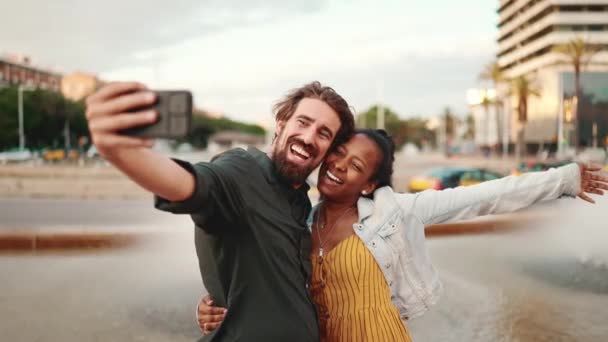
{"points": [[209, 317], [591, 183]]}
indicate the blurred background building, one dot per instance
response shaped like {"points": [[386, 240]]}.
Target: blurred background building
{"points": [[79, 85], [17, 69], [225, 140], [533, 41]]}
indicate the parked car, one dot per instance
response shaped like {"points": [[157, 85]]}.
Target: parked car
{"points": [[53, 155], [438, 179], [73, 154], [59, 154], [533, 166], [15, 155], [478, 176]]}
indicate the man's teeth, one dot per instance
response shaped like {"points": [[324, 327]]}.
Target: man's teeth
{"points": [[300, 151], [333, 177]]}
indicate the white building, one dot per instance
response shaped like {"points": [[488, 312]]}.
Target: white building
{"points": [[485, 116], [528, 30]]}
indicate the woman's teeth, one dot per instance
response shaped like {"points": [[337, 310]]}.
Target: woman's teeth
{"points": [[333, 177]]}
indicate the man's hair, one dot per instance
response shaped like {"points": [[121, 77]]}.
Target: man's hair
{"points": [[285, 108]]}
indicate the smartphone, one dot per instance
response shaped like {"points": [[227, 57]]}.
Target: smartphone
{"points": [[174, 108]]}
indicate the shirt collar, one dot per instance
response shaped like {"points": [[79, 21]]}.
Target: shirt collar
{"points": [[264, 162]]}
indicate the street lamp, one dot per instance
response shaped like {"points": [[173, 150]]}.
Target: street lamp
{"points": [[380, 108], [22, 88]]}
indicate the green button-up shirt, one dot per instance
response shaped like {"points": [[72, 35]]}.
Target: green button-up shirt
{"points": [[253, 247]]}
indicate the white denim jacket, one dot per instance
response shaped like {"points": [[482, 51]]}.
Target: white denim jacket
{"points": [[392, 226]]}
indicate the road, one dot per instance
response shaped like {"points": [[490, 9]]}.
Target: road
{"points": [[545, 282], [76, 214]]}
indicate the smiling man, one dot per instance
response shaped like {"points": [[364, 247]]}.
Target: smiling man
{"points": [[249, 207]]}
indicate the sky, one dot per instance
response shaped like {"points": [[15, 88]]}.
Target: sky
{"points": [[238, 57]]}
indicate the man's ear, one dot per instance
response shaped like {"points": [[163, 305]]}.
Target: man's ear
{"points": [[280, 124]]}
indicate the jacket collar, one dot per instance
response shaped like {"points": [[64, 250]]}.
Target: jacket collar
{"points": [[365, 207]]}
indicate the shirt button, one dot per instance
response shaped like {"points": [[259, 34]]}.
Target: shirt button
{"points": [[388, 265], [360, 226], [390, 283], [374, 244]]}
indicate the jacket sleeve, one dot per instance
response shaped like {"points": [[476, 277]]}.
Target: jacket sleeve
{"points": [[495, 197]]}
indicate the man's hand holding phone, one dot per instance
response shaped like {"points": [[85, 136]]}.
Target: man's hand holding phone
{"points": [[128, 115], [122, 119], [109, 112]]}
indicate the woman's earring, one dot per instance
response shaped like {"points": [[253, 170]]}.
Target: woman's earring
{"points": [[364, 192]]}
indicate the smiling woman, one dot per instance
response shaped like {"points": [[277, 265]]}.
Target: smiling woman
{"points": [[371, 267]]}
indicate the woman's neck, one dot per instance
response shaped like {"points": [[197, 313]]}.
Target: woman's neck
{"points": [[334, 206]]}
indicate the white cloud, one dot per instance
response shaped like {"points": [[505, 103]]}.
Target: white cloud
{"points": [[240, 56]]}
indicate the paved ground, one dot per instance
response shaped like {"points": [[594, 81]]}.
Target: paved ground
{"points": [[104, 182], [547, 281]]}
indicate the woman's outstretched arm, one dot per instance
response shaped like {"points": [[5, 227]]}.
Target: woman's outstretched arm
{"points": [[507, 194]]}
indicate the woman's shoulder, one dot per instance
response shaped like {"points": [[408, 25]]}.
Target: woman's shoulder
{"points": [[387, 197], [384, 197]]}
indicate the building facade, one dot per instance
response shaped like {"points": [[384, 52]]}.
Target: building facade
{"points": [[78, 85], [528, 30], [17, 70]]}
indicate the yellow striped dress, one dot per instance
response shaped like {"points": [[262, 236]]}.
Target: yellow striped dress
{"points": [[352, 296]]}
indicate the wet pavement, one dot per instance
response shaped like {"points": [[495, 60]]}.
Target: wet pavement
{"points": [[545, 281]]}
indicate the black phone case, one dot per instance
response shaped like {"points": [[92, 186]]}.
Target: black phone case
{"points": [[174, 108]]}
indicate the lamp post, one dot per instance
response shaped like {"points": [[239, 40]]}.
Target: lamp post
{"points": [[20, 91], [380, 108]]}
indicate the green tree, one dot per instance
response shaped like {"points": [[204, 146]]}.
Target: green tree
{"points": [[203, 126], [449, 121], [392, 123], [417, 133], [579, 54], [45, 115], [9, 136], [411, 130], [470, 122]]}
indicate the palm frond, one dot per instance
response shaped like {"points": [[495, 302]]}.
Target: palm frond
{"points": [[578, 51], [492, 72]]}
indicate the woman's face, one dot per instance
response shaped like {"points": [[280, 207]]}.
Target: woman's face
{"points": [[347, 170]]}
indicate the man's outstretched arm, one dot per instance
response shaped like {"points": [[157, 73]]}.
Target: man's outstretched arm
{"points": [[108, 114]]}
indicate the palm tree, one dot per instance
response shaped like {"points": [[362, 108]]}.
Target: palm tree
{"points": [[522, 88], [485, 103], [578, 53], [493, 72]]}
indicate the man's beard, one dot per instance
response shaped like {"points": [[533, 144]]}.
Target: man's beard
{"points": [[293, 174]]}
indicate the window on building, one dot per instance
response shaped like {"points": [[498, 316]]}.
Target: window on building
{"points": [[596, 28]]}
